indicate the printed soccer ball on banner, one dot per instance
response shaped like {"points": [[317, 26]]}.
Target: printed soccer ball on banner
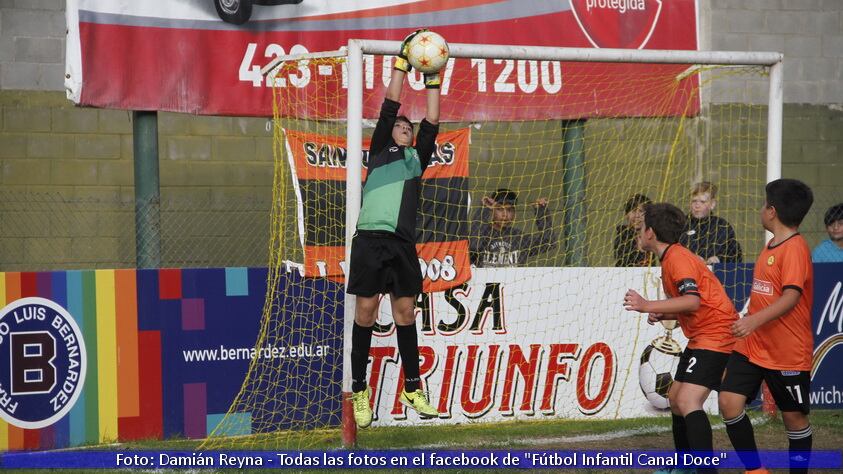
{"points": [[428, 52], [655, 375]]}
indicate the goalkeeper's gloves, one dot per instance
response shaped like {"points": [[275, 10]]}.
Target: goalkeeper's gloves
{"points": [[401, 62], [432, 81]]}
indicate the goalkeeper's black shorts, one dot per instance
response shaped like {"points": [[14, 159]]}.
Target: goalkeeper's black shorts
{"points": [[383, 263]]}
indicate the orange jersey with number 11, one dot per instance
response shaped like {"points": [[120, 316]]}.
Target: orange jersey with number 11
{"points": [[785, 343]]}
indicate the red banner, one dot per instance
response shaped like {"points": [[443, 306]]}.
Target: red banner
{"points": [[317, 164], [183, 57]]}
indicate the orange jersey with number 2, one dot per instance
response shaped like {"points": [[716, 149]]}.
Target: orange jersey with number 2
{"points": [[710, 326]]}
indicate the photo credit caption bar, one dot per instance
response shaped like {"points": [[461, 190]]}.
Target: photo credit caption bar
{"points": [[432, 459]]}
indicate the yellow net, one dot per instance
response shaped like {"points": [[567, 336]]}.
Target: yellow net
{"points": [[527, 212]]}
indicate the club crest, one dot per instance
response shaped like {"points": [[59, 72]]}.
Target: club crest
{"points": [[44, 371], [617, 23]]}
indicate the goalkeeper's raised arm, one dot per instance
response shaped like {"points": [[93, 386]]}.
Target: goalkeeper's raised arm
{"points": [[429, 126]]}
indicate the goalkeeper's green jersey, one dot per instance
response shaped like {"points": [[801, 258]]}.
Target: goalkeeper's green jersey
{"points": [[393, 183]]}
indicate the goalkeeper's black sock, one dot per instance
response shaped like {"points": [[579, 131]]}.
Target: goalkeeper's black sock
{"points": [[361, 341], [699, 435], [680, 433], [408, 347], [800, 449], [740, 433]]}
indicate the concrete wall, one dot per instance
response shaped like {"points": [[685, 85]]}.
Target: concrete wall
{"points": [[81, 159], [32, 44], [808, 32], [67, 195]]}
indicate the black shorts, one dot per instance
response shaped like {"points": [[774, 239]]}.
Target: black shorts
{"points": [[701, 367], [790, 388], [382, 263]]}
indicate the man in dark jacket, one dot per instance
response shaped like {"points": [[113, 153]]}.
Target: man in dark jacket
{"points": [[709, 236]]}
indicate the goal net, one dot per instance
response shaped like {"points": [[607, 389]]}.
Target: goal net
{"points": [[525, 230]]}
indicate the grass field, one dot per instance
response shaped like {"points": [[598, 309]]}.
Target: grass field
{"points": [[640, 433]]}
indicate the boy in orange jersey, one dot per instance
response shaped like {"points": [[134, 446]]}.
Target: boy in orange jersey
{"points": [[775, 340], [705, 313]]}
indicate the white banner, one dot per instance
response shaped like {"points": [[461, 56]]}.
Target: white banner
{"points": [[530, 343]]}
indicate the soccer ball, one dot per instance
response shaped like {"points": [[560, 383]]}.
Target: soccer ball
{"points": [[428, 52], [655, 375]]}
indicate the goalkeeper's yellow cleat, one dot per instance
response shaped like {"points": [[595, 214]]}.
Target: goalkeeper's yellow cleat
{"points": [[418, 401], [362, 409]]}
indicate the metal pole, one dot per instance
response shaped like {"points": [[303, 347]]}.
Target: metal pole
{"points": [[462, 50], [774, 124], [353, 183], [774, 128], [147, 189], [573, 187]]}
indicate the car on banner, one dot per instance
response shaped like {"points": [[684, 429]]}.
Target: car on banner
{"points": [[238, 12]]}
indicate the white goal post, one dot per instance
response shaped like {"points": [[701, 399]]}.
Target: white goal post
{"points": [[356, 50]]}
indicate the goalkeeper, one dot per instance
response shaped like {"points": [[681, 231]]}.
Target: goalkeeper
{"points": [[383, 251]]}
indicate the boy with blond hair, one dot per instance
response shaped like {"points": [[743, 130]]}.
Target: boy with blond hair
{"points": [[707, 235]]}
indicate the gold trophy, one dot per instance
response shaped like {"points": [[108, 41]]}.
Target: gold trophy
{"points": [[665, 343]]}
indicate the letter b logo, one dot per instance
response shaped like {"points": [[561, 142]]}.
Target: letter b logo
{"points": [[32, 368]]}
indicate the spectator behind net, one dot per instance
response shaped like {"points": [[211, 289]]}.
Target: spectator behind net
{"points": [[627, 253], [496, 242], [711, 237]]}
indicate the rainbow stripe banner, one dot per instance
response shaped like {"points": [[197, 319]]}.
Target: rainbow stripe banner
{"points": [[141, 329]]}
